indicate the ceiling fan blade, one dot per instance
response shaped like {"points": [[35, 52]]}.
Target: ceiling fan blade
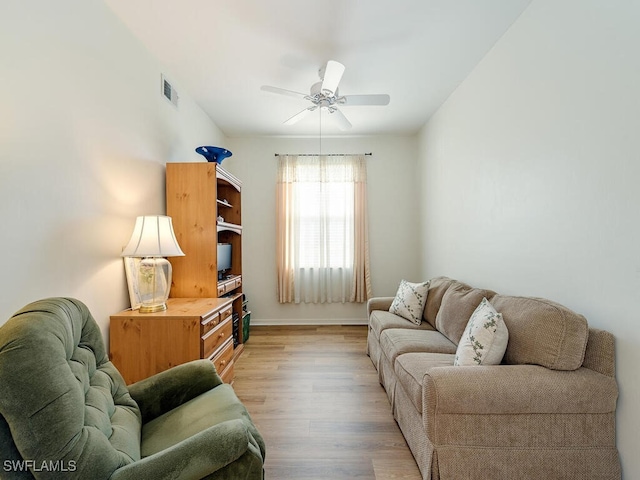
{"points": [[332, 76], [282, 91], [300, 115], [349, 100], [341, 120]]}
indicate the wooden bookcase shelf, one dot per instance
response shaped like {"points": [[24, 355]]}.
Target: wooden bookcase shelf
{"points": [[204, 202]]}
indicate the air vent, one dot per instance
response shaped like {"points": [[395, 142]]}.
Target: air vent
{"points": [[169, 92]]}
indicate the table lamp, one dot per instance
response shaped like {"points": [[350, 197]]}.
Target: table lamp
{"points": [[152, 240]]}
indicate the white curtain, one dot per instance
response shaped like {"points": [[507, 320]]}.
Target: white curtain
{"points": [[322, 241]]}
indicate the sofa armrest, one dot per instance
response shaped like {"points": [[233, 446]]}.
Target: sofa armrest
{"points": [[517, 389], [167, 390], [378, 303], [197, 456]]}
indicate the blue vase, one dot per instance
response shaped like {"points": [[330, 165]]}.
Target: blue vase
{"points": [[214, 154]]}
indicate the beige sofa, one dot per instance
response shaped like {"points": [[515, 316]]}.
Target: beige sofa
{"points": [[547, 412]]}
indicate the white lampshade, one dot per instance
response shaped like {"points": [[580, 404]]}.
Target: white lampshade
{"points": [[153, 237]]}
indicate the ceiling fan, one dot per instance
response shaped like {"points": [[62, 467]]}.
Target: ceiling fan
{"points": [[324, 95]]}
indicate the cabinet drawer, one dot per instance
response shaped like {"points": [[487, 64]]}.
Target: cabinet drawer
{"points": [[215, 338], [210, 323], [226, 313], [226, 286], [224, 359], [227, 373]]}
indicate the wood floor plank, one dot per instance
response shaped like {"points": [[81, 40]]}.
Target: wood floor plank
{"points": [[314, 395]]}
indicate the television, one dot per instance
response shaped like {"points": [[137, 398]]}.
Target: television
{"points": [[224, 259]]}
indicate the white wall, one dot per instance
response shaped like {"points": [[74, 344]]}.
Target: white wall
{"points": [[530, 176], [393, 228], [84, 136]]}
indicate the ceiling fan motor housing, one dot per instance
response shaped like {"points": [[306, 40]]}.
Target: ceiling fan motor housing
{"points": [[320, 98]]}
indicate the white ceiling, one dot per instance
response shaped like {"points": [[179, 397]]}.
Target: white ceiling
{"points": [[222, 51]]}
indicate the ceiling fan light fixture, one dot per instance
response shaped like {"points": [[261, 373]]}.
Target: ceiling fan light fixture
{"points": [[324, 96]]}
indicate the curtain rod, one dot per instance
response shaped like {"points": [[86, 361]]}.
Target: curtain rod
{"points": [[323, 154]]}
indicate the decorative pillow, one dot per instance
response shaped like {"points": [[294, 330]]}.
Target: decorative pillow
{"points": [[410, 300], [485, 339]]}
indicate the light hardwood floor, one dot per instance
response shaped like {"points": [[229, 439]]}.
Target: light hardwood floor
{"points": [[315, 397]]}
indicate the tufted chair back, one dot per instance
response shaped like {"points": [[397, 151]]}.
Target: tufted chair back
{"points": [[64, 408]]}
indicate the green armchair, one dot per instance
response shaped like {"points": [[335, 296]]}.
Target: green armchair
{"points": [[65, 410]]}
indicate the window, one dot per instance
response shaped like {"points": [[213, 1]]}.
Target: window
{"points": [[322, 229], [326, 224]]}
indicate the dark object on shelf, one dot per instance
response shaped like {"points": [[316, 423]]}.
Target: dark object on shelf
{"points": [[246, 325], [236, 329], [214, 154], [246, 318]]}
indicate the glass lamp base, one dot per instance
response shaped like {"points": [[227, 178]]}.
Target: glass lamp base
{"points": [[154, 282], [153, 308]]}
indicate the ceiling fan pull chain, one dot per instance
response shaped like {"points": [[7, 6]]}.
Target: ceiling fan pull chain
{"points": [[320, 129]]}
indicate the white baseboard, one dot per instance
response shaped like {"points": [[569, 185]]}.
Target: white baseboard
{"points": [[308, 321]]}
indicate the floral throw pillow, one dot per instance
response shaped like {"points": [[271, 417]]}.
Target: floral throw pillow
{"points": [[410, 300], [485, 338]]}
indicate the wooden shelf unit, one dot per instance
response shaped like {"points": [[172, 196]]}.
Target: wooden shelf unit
{"points": [[197, 195]]}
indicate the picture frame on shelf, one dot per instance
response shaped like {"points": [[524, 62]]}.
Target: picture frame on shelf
{"points": [[131, 268]]}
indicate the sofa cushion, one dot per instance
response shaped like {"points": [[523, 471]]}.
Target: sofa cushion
{"points": [[410, 369], [458, 303], [437, 287], [542, 332], [381, 320], [396, 341], [484, 341], [410, 300]]}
